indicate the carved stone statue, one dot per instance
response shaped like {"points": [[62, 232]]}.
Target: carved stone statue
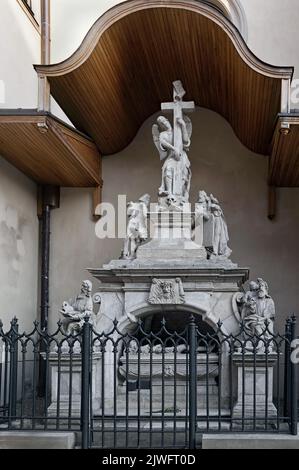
{"points": [[257, 309], [137, 231], [220, 238], [134, 348], [74, 312], [215, 232], [167, 291], [173, 143], [202, 208]]}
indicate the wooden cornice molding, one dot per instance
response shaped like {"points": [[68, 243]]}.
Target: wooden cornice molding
{"points": [[122, 10], [127, 62]]}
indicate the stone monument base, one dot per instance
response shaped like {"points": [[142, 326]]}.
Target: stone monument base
{"points": [[171, 238], [169, 249], [255, 377], [69, 373]]}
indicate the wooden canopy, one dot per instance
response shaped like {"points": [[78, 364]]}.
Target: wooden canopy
{"points": [[284, 159], [47, 150], [127, 62]]}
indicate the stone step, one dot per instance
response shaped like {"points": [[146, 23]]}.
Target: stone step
{"points": [[250, 441], [146, 426], [36, 440]]}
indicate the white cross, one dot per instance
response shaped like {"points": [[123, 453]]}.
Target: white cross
{"points": [[178, 106]]}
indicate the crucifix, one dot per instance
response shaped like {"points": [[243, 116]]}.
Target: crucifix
{"points": [[178, 106]]}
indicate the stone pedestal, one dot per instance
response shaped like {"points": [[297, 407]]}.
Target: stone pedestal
{"points": [[65, 375], [257, 377], [171, 238]]}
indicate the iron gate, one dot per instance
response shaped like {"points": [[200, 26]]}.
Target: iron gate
{"points": [[147, 388]]}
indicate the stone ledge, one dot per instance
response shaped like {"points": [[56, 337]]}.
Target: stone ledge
{"points": [[36, 440], [250, 441]]}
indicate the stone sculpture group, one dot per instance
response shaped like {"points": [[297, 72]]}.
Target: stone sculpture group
{"points": [[255, 308], [175, 260], [173, 143]]}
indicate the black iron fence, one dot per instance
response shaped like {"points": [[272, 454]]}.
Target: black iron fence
{"points": [[140, 388]]}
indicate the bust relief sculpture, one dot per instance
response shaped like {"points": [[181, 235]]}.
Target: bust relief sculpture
{"points": [[167, 291]]}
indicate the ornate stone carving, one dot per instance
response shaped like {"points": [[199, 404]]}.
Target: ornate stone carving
{"points": [[167, 291], [173, 143], [134, 348], [215, 232], [257, 309], [75, 311], [137, 226]]}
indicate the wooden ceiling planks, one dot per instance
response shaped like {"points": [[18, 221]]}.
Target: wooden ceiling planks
{"points": [[126, 65], [284, 160], [48, 151]]}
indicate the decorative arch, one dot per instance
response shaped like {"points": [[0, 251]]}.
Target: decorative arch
{"points": [[144, 309], [127, 62], [233, 11]]}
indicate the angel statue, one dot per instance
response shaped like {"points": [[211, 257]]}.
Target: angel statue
{"points": [[173, 143]]}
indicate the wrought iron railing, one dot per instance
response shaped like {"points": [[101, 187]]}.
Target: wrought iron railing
{"points": [[140, 388]]}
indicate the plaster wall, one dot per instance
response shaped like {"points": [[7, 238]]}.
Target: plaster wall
{"points": [[19, 50], [18, 247]]}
